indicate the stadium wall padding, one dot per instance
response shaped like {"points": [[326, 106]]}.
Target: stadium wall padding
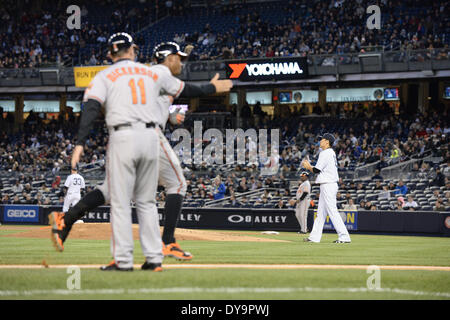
{"points": [[412, 222]]}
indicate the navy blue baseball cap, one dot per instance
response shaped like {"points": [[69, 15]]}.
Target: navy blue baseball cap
{"points": [[329, 137], [162, 50], [120, 40], [304, 173]]}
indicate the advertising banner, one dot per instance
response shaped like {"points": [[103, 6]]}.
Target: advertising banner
{"points": [[268, 69], [355, 94], [350, 219], [84, 75], [21, 213]]}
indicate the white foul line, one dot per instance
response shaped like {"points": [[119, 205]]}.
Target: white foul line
{"points": [[231, 290], [242, 266]]}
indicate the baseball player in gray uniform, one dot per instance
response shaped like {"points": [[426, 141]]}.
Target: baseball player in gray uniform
{"points": [[168, 56], [326, 168], [303, 201]]}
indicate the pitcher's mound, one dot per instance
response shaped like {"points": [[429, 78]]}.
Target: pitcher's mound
{"points": [[102, 231]]}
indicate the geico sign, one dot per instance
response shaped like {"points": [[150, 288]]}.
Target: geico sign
{"points": [[21, 213], [270, 69]]}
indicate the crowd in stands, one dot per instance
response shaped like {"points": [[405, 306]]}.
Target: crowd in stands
{"points": [[41, 153], [325, 27], [36, 34]]}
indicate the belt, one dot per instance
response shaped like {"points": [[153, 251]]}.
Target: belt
{"points": [[126, 125]]}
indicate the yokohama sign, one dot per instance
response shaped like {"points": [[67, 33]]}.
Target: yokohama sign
{"points": [[268, 69]]}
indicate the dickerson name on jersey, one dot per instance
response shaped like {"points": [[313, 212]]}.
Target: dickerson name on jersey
{"points": [[269, 69]]}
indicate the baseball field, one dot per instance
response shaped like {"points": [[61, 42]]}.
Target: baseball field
{"points": [[237, 265]]}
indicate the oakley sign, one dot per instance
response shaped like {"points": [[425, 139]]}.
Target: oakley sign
{"points": [[273, 69]]}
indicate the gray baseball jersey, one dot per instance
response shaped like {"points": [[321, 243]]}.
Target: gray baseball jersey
{"points": [[301, 210], [304, 187], [128, 90], [171, 175]]}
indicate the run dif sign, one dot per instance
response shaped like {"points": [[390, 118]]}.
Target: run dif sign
{"points": [[268, 69]]}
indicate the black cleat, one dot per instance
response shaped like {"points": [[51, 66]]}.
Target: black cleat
{"points": [[307, 240], [340, 241], [155, 267], [114, 267]]}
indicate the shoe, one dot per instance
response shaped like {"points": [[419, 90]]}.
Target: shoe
{"points": [[340, 241], [155, 267], [301, 232], [307, 240], [173, 250], [59, 231], [112, 266]]}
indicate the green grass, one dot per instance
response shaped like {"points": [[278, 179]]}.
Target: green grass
{"points": [[210, 283], [364, 249]]}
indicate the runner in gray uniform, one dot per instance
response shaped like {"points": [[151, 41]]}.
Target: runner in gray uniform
{"points": [[170, 172], [129, 92], [303, 201]]}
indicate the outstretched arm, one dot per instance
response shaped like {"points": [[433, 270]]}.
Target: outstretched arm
{"points": [[88, 116], [214, 86]]}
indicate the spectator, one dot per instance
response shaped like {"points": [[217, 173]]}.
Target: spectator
{"points": [[438, 206], [244, 202], [280, 205], [15, 200], [292, 204], [401, 188], [233, 202], [267, 194], [6, 200], [219, 188], [17, 187], [378, 185], [377, 175], [410, 204], [350, 205], [399, 204], [362, 205], [258, 203], [439, 180], [368, 206], [243, 186]]}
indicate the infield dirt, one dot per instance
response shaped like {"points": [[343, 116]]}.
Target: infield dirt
{"points": [[102, 231]]}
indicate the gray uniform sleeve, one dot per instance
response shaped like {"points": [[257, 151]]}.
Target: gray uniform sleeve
{"points": [[170, 85]]}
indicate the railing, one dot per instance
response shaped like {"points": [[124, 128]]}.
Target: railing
{"points": [[365, 171], [348, 63], [402, 170], [212, 203]]}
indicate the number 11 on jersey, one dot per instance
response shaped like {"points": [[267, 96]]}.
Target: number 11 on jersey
{"points": [[141, 85]]}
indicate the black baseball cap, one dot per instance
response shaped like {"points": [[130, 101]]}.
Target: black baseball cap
{"points": [[304, 173], [162, 50], [119, 41], [329, 137]]}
